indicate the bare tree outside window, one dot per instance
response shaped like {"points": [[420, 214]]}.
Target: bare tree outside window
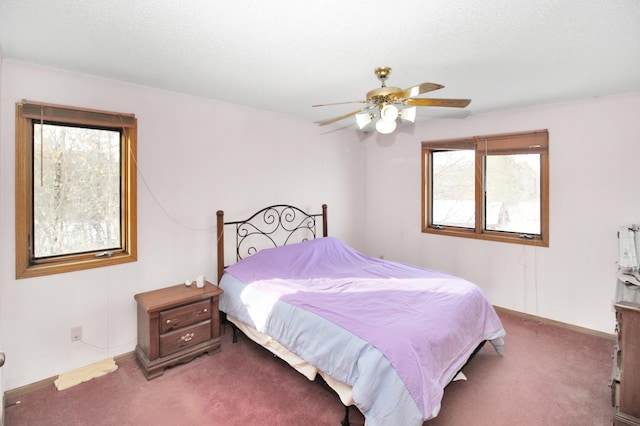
{"points": [[453, 182], [513, 193], [76, 190]]}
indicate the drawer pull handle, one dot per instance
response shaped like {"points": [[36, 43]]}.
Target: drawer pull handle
{"points": [[204, 310], [187, 337], [168, 321]]}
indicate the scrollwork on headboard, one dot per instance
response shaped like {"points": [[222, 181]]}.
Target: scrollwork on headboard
{"points": [[272, 226]]}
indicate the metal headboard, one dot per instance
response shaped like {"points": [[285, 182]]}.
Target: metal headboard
{"points": [[272, 226]]}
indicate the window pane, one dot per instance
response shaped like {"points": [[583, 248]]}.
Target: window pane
{"points": [[76, 193], [453, 188], [512, 184]]}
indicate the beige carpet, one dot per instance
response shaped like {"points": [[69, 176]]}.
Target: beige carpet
{"points": [[84, 374]]}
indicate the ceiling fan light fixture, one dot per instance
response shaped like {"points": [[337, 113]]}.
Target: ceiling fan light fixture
{"points": [[385, 100], [408, 114], [389, 113], [363, 119], [385, 127]]}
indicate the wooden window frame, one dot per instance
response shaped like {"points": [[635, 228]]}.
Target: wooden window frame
{"points": [[26, 112], [536, 142]]}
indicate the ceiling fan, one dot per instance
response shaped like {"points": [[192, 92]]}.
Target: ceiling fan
{"points": [[387, 99]]}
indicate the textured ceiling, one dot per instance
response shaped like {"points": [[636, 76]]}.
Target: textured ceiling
{"points": [[285, 55]]}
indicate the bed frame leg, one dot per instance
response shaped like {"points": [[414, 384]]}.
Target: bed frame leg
{"points": [[224, 321], [345, 421]]}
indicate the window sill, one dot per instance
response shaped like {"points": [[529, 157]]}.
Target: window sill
{"points": [[488, 236], [42, 269]]}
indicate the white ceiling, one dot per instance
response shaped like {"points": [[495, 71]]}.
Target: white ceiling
{"points": [[285, 55]]}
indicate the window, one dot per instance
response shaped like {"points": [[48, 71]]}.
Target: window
{"points": [[488, 187], [75, 189]]}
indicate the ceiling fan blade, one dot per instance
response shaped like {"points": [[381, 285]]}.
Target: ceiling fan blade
{"points": [[333, 120], [416, 90], [340, 103], [455, 103]]}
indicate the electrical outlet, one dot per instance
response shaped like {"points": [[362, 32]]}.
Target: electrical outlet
{"points": [[76, 333]]}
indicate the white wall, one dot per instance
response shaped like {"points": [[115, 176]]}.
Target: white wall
{"points": [[1, 250], [195, 156], [594, 186]]}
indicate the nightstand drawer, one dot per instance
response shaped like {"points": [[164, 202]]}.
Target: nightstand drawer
{"points": [[184, 315], [177, 340]]}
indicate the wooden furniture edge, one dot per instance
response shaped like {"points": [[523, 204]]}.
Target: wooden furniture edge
{"points": [[209, 290], [220, 244], [627, 305], [561, 324]]}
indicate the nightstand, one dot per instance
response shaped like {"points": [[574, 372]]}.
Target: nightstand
{"points": [[175, 325]]}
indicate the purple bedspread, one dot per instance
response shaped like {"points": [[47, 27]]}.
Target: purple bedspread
{"points": [[424, 322]]}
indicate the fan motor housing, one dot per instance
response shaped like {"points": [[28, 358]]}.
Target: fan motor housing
{"points": [[382, 95]]}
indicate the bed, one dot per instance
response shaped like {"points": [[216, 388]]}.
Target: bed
{"points": [[386, 336]]}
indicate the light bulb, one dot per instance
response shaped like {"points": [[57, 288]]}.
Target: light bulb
{"points": [[385, 127], [389, 113]]}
